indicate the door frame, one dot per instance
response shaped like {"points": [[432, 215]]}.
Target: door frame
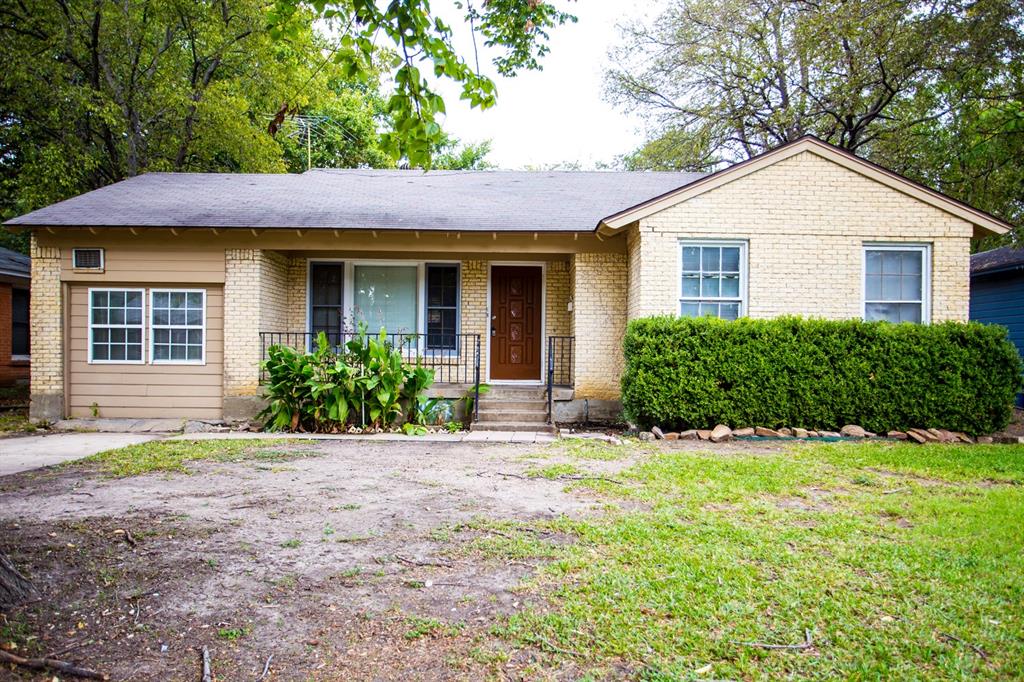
{"points": [[543, 265]]}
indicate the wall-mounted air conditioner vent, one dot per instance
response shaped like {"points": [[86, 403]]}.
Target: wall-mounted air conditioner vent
{"points": [[87, 259]]}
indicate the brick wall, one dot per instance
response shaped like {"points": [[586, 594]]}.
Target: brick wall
{"points": [[806, 220], [599, 287], [256, 298], [473, 306], [46, 334], [557, 299], [296, 319]]}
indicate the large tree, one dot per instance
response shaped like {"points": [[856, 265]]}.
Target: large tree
{"points": [[420, 42], [98, 90], [933, 89]]}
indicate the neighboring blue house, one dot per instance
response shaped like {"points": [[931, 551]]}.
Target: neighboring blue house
{"points": [[997, 292]]}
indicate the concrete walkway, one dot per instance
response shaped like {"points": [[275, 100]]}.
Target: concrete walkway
{"points": [[34, 452], [461, 437]]}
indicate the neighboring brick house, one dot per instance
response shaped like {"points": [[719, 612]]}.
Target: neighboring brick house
{"points": [[15, 278], [997, 293], [158, 296]]}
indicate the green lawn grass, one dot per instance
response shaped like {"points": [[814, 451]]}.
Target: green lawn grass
{"points": [[175, 455], [901, 561], [15, 422]]}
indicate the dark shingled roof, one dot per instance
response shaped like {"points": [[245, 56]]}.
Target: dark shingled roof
{"points": [[14, 263], [1006, 258], [527, 201]]}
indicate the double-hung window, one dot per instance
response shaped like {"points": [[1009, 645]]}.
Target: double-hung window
{"points": [[115, 325], [442, 307], [896, 282], [178, 325], [713, 279]]}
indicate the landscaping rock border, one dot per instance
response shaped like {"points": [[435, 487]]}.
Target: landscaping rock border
{"points": [[852, 432]]}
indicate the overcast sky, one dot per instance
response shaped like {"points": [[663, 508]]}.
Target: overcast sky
{"points": [[556, 115]]}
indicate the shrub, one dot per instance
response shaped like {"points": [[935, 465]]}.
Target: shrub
{"points": [[818, 374], [363, 382]]}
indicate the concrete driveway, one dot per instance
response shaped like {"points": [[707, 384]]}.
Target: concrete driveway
{"points": [[34, 452]]}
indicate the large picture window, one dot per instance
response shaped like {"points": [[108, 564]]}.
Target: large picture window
{"points": [[713, 275], [442, 307], [115, 325], [896, 283], [385, 296], [178, 325]]}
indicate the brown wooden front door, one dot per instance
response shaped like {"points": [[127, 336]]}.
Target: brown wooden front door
{"points": [[515, 322]]}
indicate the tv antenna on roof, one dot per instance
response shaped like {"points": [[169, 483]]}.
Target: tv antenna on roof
{"points": [[306, 127]]}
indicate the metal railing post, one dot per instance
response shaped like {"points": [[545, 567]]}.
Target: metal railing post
{"points": [[476, 380], [551, 379]]}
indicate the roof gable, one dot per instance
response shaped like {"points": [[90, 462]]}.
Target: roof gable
{"points": [[983, 222]]}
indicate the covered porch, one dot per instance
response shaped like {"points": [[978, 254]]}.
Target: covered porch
{"points": [[499, 321]]}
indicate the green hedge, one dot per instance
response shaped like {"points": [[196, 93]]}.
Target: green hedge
{"points": [[818, 374]]}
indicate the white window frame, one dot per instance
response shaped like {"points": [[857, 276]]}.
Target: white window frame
{"points": [[743, 245], [348, 294], [926, 275], [153, 327], [142, 327], [103, 260], [425, 294]]}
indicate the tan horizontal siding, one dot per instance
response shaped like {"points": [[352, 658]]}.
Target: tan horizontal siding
{"points": [[145, 390], [160, 264]]}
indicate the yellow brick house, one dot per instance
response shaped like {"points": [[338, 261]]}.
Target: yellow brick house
{"points": [[159, 295]]}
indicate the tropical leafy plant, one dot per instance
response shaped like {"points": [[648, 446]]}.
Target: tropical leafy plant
{"points": [[364, 382]]}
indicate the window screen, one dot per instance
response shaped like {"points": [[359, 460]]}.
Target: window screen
{"points": [[19, 322], [894, 284], [442, 307], [712, 280]]}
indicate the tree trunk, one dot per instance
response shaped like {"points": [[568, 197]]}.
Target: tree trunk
{"points": [[14, 587]]}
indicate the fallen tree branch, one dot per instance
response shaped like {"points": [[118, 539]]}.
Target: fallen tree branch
{"points": [[566, 477], [806, 644], [894, 491], [127, 535], [563, 477], [69, 649], [64, 667], [977, 649], [266, 666], [207, 673]]}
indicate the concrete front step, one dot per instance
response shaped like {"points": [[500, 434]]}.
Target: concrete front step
{"points": [[516, 427], [515, 393], [492, 414], [513, 405]]}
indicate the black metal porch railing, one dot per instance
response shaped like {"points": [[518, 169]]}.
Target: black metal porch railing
{"points": [[455, 358], [559, 367]]}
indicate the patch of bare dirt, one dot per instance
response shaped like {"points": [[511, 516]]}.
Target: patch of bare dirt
{"points": [[337, 564], [1016, 426]]}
